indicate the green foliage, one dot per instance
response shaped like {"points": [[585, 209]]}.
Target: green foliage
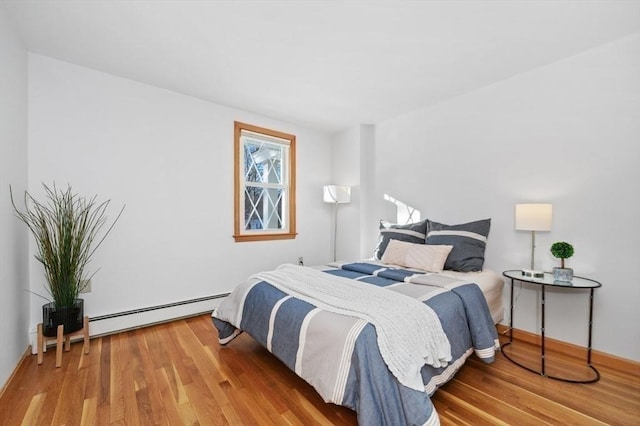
{"points": [[65, 228], [562, 250]]}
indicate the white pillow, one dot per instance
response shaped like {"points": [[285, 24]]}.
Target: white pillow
{"points": [[430, 258]]}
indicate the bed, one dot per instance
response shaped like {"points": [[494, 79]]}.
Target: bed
{"points": [[341, 355]]}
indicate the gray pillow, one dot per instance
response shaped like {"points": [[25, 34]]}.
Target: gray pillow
{"points": [[411, 233], [469, 241]]}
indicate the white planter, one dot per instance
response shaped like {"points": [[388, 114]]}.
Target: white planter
{"points": [[562, 274]]}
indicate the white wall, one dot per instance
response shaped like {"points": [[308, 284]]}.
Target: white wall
{"points": [[169, 158], [368, 217], [13, 171], [352, 164], [567, 133], [345, 170]]}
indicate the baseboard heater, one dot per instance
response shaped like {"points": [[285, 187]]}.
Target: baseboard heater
{"points": [[136, 318]]}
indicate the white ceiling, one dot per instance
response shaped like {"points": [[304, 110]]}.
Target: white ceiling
{"points": [[327, 65]]}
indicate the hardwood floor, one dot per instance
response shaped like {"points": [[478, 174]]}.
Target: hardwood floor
{"points": [[176, 373]]}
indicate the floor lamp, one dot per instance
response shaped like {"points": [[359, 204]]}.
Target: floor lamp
{"points": [[533, 217], [336, 195]]}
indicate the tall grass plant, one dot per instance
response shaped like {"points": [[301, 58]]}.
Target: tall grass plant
{"points": [[68, 229]]}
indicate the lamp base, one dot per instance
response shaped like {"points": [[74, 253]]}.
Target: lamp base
{"points": [[530, 273]]}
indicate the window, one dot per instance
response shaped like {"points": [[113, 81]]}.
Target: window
{"points": [[264, 184]]}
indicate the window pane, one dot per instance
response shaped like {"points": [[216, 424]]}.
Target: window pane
{"points": [[262, 161], [263, 208]]}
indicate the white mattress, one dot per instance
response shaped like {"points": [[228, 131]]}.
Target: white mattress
{"points": [[491, 285], [489, 282]]}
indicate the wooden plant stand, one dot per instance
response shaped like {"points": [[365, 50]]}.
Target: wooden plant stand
{"points": [[60, 338]]}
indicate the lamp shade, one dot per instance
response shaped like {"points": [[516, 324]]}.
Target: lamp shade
{"points": [[533, 217], [337, 194]]}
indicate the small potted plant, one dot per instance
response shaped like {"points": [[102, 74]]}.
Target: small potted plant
{"points": [[562, 250]]}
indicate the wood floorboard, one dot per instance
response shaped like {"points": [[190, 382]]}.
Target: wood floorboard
{"points": [[177, 374]]}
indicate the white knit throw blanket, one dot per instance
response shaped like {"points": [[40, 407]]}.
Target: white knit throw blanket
{"points": [[409, 332]]}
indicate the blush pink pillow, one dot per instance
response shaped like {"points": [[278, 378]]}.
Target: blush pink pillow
{"points": [[430, 258]]}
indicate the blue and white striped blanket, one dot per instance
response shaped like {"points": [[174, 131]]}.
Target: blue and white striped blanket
{"points": [[338, 354]]}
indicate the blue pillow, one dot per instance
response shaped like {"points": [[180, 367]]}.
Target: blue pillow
{"points": [[469, 241], [411, 233]]}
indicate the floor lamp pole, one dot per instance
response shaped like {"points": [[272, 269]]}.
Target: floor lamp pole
{"points": [[335, 228]]}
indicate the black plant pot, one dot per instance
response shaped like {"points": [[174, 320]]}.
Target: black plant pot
{"points": [[71, 317]]}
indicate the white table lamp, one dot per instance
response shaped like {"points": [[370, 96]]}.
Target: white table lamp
{"points": [[533, 217]]}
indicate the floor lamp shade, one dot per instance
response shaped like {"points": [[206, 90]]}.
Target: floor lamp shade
{"points": [[337, 194]]}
